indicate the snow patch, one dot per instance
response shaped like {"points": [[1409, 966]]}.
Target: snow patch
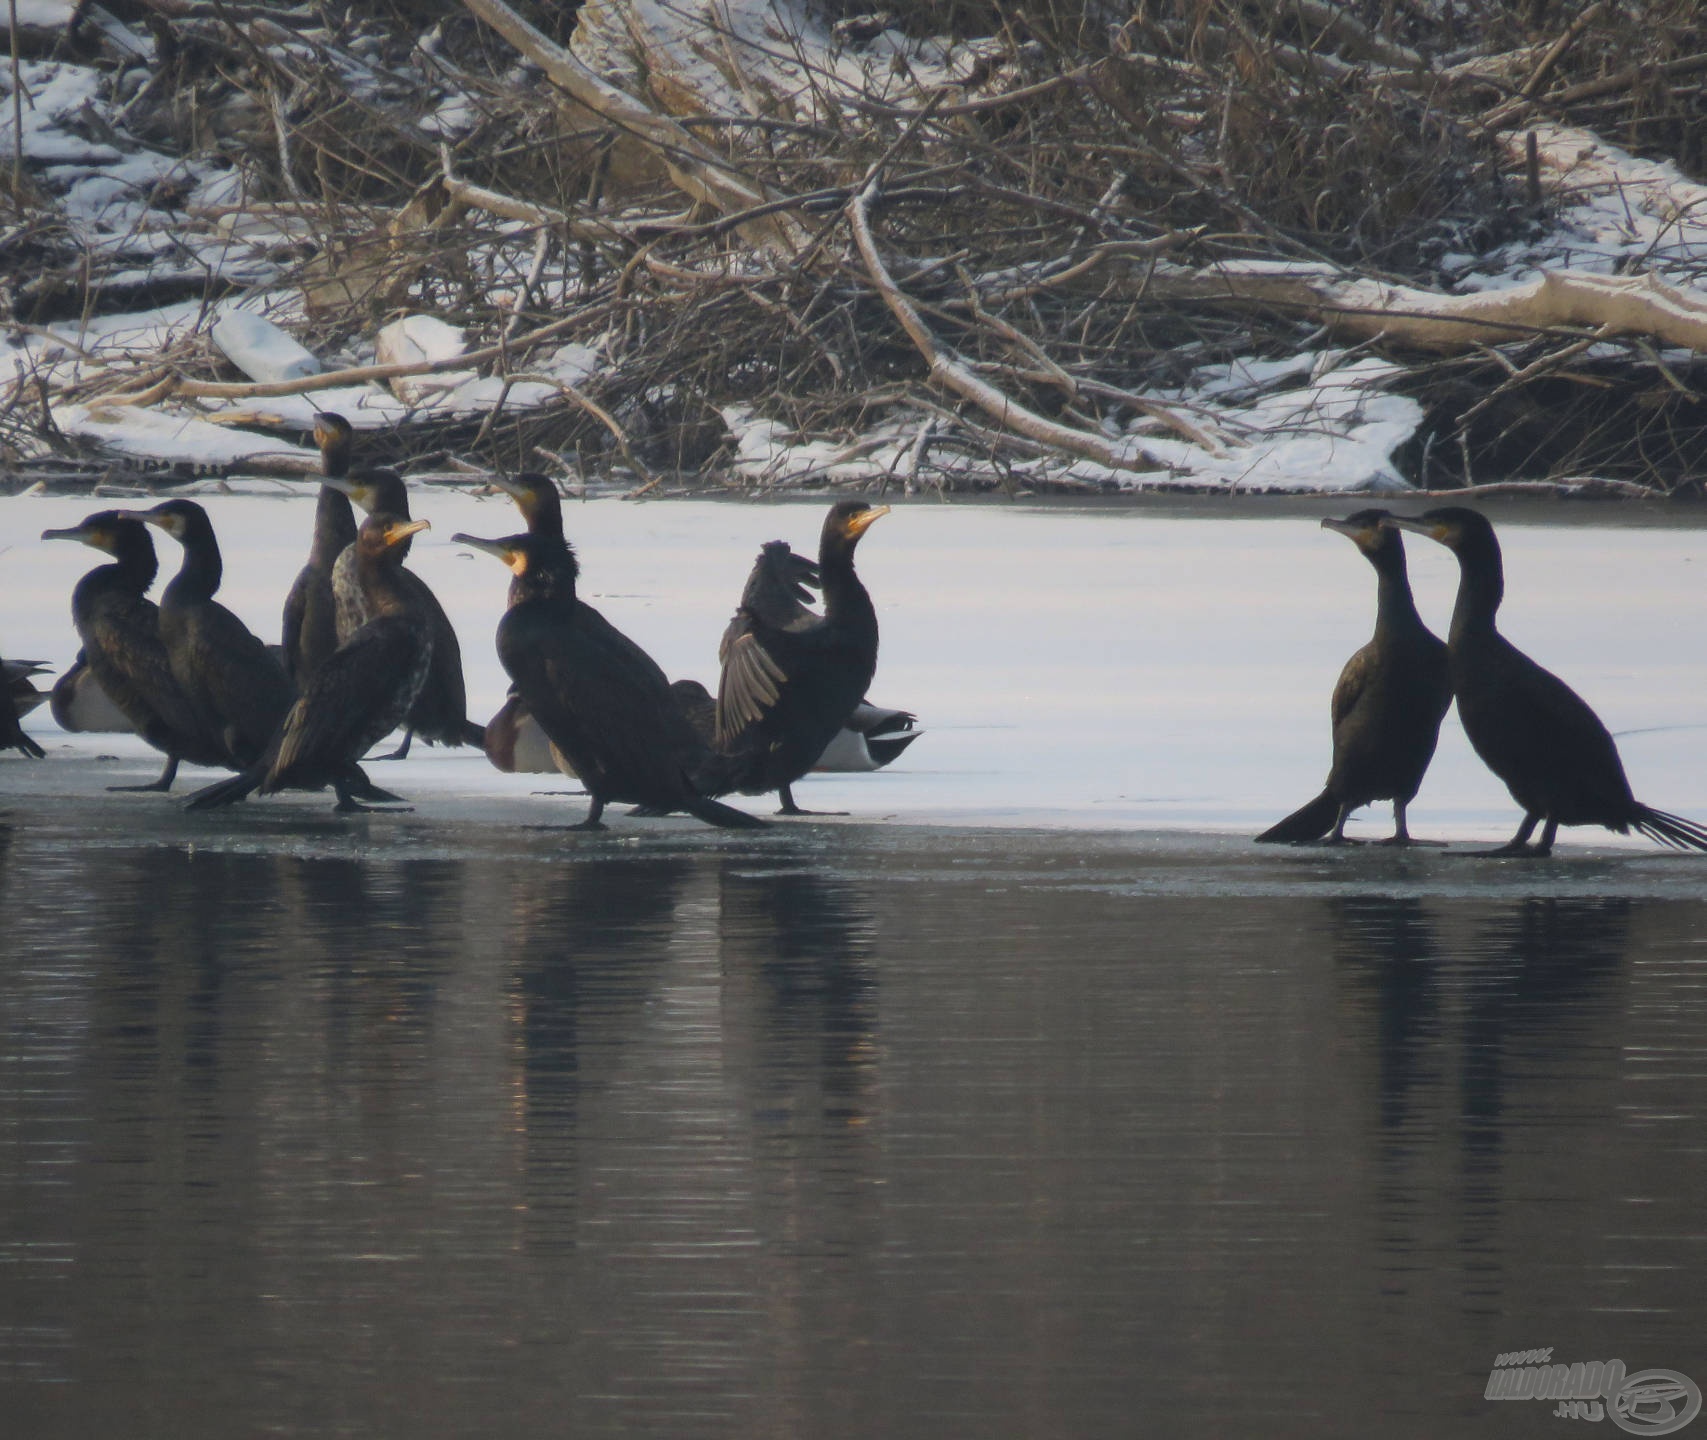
{"points": [[160, 435]]}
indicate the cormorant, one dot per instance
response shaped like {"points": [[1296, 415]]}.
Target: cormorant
{"points": [[598, 696], [778, 588], [310, 611], [236, 689], [791, 678], [1388, 704], [537, 498], [440, 712], [124, 650], [358, 695], [1530, 728], [17, 698]]}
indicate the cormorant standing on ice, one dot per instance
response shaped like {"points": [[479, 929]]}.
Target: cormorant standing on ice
{"points": [[1530, 728], [1388, 704]]}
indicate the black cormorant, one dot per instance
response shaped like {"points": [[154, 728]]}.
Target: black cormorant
{"points": [[791, 679], [537, 498], [1529, 727], [237, 690], [355, 697], [598, 696], [1388, 704], [17, 698], [440, 712], [778, 588], [310, 611], [124, 651]]}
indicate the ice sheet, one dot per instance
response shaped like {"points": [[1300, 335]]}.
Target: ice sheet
{"points": [[1097, 668]]}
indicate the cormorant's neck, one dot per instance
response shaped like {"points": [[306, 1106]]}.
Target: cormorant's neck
{"points": [[334, 527], [546, 520], [841, 587], [199, 575], [127, 573], [381, 592], [134, 566], [551, 576], [335, 457], [1395, 607], [1481, 587]]}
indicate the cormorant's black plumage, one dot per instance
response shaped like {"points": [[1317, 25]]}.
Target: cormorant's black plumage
{"points": [[1530, 728], [790, 678], [237, 691], [599, 698], [355, 697], [124, 651], [1388, 704], [440, 712], [310, 632], [17, 698]]}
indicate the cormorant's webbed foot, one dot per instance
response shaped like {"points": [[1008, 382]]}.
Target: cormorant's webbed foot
{"points": [[1518, 847], [594, 811], [158, 787], [790, 808], [1512, 850], [402, 751]]}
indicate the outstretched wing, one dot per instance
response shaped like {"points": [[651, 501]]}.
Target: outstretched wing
{"points": [[751, 681]]}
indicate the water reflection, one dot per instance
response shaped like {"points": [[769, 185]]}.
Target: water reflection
{"points": [[589, 949], [728, 1141], [1496, 1075]]}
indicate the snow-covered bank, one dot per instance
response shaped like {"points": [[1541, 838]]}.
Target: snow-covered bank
{"points": [[1082, 669], [426, 296]]}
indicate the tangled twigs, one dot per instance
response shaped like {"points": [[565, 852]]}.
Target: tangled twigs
{"points": [[954, 375]]}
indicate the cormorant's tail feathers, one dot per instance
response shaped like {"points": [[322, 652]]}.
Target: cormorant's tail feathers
{"points": [[1672, 830], [473, 734], [715, 812], [1310, 822], [227, 792]]}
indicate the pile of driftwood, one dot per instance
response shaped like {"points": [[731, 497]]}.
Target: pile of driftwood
{"points": [[953, 244]]}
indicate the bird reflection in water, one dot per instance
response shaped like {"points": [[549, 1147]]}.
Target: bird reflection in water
{"points": [[589, 944], [805, 939], [1489, 1025]]}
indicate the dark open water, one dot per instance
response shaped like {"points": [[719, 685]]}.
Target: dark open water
{"points": [[845, 1132]]}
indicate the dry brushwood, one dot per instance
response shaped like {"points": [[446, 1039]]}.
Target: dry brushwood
{"points": [[955, 245]]}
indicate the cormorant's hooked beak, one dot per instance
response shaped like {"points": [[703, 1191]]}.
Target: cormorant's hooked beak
{"points": [[511, 554], [173, 525], [355, 489], [521, 494], [856, 525], [397, 534], [1437, 532], [331, 429], [1366, 537], [96, 538]]}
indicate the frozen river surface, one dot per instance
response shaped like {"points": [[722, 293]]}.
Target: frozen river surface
{"points": [[1030, 1100], [1086, 668]]}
